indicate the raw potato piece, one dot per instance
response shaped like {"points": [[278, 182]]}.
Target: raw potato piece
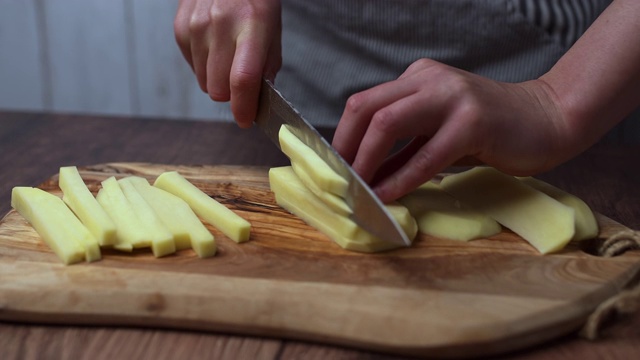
{"points": [[441, 215], [586, 224], [56, 224], [546, 223], [216, 214], [305, 158], [129, 234], [295, 197], [187, 229], [78, 197], [161, 239], [334, 201]]}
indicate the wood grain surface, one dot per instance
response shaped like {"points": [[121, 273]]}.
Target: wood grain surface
{"points": [[34, 145], [438, 298]]}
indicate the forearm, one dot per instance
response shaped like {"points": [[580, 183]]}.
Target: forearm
{"points": [[597, 82]]}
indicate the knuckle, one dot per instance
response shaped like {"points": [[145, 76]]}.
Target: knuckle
{"points": [[198, 23], [244, 79], [355, 103], [384, 121], [422, 161]]}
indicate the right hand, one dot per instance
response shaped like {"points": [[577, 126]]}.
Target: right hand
{"points": [[231, 45]]}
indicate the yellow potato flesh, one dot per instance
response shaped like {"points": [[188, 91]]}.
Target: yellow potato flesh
{"points": [[586, 224], [78, 197], [128, 232], [544, 222], [216, 214], [441, 215], [56, 224], [186, 228], [305, 158], [160, 239], [334, 201], [295, 197]]}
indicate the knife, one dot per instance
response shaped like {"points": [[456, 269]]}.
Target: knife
{"points": [[368, 211]]}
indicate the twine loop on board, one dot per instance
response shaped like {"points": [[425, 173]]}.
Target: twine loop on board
{"points": [[625, 302]]}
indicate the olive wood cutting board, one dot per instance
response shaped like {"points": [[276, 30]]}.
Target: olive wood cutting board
{"points": [[437, 298]]}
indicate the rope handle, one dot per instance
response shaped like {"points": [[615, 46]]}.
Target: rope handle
{"points": [[626, 301]]}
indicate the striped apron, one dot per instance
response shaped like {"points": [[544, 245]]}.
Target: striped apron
{"points": [[334, 48]]}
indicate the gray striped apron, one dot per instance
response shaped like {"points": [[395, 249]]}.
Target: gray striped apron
{"points": [[334, 48]]}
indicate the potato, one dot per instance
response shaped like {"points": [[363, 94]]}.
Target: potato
{"points": [[78, 197], [186, 228], [60, 229], [306, 159], [441, 215], [161, 240], [129, 234], [544, 222], [216, 214], [335, 202], [586, 224], [295, 197]]}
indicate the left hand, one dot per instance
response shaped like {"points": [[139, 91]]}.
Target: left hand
{"points": [[450, 114]]}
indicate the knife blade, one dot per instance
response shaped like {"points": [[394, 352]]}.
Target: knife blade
{"points": [[368, 211]]}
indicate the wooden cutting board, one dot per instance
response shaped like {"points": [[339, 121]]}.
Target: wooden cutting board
{"points": [[437, 298]]}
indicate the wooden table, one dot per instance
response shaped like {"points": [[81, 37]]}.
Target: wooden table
{"points": [[34, 146]]}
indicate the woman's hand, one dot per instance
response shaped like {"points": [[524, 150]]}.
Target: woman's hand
{"points": [[231, 45], [451, 115]]}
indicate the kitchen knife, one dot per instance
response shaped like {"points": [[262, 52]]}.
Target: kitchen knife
{"points": [[368, 212]]}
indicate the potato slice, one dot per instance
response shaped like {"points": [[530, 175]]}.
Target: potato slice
{"points": [[216, 214], [187, 229], [544, 222], [161, 239], [129, 234], [305, 158], [78, 197], [335, 202], [295, 197], [60, 229], [441, 215], [586, 224]]}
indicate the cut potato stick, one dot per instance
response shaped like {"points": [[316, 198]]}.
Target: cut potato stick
{"points": [[304, 157], [60, 229], [216, 214], [161, 240], [78, 197], [334, 201], [128, 233], [187, 229], [295, 197]]}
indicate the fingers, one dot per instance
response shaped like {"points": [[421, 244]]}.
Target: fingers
{"points": [[246, 76], [359, 112], [449, 144], [181, 29], [231, 46], [402, 119]]}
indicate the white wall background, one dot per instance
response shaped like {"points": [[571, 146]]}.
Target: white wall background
{"points": [[97, 56], [116, 57]]}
